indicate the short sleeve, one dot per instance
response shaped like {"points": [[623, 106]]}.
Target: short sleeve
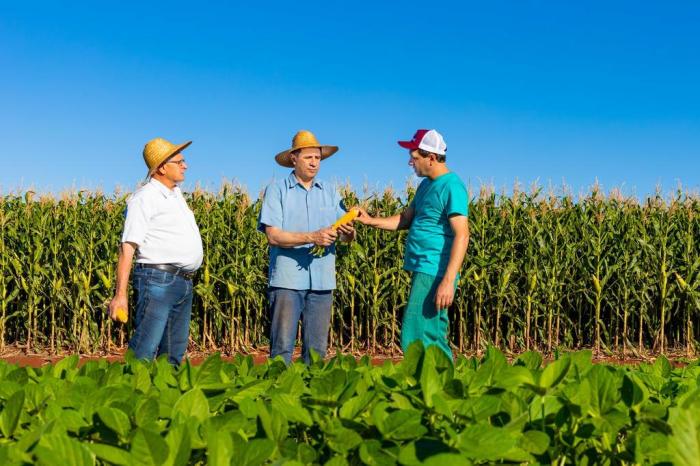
{"points": [[271, 210], [457, 202], [138, 214], [341, 208]]}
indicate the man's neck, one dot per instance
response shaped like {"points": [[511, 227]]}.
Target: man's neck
{"points": [[305, 183], [437, 171], [165, 182]]}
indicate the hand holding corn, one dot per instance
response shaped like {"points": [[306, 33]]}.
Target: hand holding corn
{"points": [[343, 226], [324, 237], [118, 310]]}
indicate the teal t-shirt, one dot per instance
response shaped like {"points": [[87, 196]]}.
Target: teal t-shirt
{"points": [[430, 236]]}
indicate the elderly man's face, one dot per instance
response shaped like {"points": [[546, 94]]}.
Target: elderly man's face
{"points": [[174, 169], [307, 163]]}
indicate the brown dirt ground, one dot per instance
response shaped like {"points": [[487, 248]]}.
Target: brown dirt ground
{"points": [[21, 357], [18, 355]]}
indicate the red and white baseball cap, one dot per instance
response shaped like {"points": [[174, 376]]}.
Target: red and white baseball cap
{"points": [[428, 140]]}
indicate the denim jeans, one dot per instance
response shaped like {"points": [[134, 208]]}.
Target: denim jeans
{"points": [[314, 309], [163, 310]]}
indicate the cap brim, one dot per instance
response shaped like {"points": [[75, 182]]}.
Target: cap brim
{"points": [[408, 144], [284, 157]]}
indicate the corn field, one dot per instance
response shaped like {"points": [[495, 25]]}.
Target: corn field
{"points": [[543, 272]]}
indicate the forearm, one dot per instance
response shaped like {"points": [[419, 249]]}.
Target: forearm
{"points": [[395, 222], [288, 239], [126, 256], [457, 253]]}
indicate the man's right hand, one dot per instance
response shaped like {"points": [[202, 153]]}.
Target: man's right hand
{"points": [[118, 302], [324, 237], [363, 216]]}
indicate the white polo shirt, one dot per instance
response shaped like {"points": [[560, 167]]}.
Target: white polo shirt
{"points": [[159, 221]]}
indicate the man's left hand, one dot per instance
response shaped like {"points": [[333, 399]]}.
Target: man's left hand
{"points": [[445, 294], [347, 232]]}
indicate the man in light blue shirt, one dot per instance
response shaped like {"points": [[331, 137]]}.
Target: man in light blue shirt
{"points": [[296, 215]]}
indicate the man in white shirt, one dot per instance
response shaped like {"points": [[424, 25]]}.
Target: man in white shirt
{"points": [[160, 232]]}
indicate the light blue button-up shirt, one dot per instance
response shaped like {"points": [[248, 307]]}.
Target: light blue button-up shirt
{"points": [[289, 206]]}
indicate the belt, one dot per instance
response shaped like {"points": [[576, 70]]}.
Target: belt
{"points": [[170, 269]]}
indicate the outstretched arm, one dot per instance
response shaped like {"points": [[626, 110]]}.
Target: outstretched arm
{"points": [[400, 221]]}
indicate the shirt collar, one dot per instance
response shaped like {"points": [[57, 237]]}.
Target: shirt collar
{"points": [[292, 181], [161, 188]]}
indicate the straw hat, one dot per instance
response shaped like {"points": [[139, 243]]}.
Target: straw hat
{"points": [[158, 150], [302, 140]]}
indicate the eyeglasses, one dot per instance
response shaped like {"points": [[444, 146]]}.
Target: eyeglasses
{"points": [[179, 163]]}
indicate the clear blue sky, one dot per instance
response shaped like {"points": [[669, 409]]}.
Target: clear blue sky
{"points": [[529, 90]]}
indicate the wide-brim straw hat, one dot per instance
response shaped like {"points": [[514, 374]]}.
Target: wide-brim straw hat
{"points": [[302, 140], [158, 150]]}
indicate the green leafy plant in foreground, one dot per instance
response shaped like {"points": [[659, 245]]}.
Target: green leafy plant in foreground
{"points": [[423, 410]]}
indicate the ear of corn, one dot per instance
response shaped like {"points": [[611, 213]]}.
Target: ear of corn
{"points": [[122, 315], [349, 216]]}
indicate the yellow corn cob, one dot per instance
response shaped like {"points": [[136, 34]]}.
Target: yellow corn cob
{"points": [[121, 315], [347, 218]]}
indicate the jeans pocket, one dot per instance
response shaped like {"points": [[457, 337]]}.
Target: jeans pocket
{"points": [[161, 278]]}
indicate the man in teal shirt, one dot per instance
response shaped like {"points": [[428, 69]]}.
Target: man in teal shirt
{"points": [[438, 235]]}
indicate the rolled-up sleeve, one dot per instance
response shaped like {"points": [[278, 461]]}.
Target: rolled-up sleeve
{"points": [[136, 223], [341, 208], [271, 210]]}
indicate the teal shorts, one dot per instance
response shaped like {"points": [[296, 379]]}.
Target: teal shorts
{"points": [[421, 320]]}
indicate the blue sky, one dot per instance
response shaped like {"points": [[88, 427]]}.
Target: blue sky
{"points": [[534, 91]]}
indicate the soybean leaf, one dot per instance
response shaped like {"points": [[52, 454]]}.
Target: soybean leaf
{"points": [[554, 373], [192, 404], [147, 412], [337, 460], [291, 409], [9, 419], [56, 449], [356, 405], [219, 448], [371, 452], [605, 389], [148, 448], [530, 359], [534, 441], [273, 422], [254, 452], [447, 459], [110, 454], [484, 442], [179, 445], [341, 439], [403, 424], [115, 419], [209, 372]]}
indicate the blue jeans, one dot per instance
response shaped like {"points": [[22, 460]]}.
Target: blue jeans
{"points": [[314, 309], [163, 310]]}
